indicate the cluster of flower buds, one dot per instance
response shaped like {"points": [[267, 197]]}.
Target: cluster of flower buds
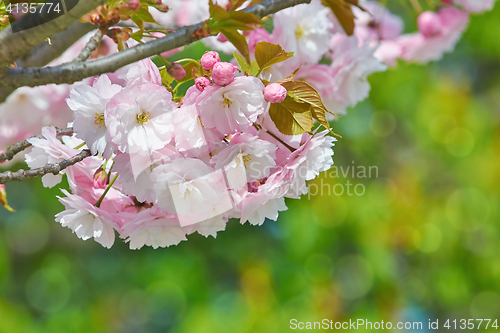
{"points": [[162, 170]]}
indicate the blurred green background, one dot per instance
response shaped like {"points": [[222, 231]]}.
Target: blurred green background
{"points": [[421, 243]]}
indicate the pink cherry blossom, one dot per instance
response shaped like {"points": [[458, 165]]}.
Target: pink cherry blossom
{"points": [[304, 30], [258, 35], [140, 72], [153, 228], [351, 66], [189, 188], [86, 220], [234, 107], [140, 119], [49, 150], [376, 23], [246, 155], [89, 105], [476, 6], [417, 47], [313, 157]]}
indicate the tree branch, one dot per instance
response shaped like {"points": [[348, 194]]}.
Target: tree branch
{"points": [[16, 44], [76, 71], [44, 52], [90, 47], [55, 168], [12, 150]]}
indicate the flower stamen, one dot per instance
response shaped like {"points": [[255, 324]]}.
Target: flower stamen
{"points": [[143, 117], [99, 119]]}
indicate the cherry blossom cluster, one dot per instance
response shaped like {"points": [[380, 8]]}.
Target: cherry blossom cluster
{"points": [[161, 169]]}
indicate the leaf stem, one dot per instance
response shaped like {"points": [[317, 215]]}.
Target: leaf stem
{"points": [[98, 203]]}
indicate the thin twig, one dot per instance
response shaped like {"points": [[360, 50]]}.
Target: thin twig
{"points": [[76, 71], [54, 168], [93, 43], [12, 150]]}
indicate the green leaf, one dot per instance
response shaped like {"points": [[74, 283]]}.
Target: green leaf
{"points": [[217, 13], [138, 22], [289, 77], [268, 54], [144, 15], [137, 36], [245, 17], [343, 11], [239, 41], [303, 92], [237, 4], [291, 117], [245, 67]]}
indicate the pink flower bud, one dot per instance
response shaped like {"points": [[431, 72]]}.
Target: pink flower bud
{"points": [[134, 4], [274, 93], [221, 38], [447, 2], [176, 71], [209, 59], [100, 178], [202, 82], [163, 8], [223, 73], [429, 24]]}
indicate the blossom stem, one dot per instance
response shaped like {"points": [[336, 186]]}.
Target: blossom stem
{"points": [[98, 203], [80, 145], [258, 127]]}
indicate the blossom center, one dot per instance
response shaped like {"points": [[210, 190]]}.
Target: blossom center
{"points": [[226, 102], [143, 117], [299, 32], [99, 119], [246, 158]]}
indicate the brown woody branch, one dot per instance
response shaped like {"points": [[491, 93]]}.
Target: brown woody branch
{"points": [[12, 150], [54, 168]]}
